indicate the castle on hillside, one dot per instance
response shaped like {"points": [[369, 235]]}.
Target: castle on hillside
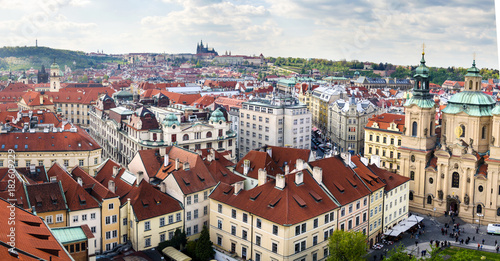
{"points": [[201, 49], [459, 171]]}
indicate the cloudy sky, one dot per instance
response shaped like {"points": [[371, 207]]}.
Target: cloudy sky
{"points": [[367, 30]]}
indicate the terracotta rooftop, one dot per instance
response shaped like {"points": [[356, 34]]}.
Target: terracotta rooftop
{"points": [[384, 121], [34, 240], [46, 197], [291, 205], [391, 180], [77, 197], [258, 160]]}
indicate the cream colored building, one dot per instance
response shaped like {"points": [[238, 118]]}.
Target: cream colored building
{"points": [[321, 98], [277, 122], [383, 138], [290, 218]]}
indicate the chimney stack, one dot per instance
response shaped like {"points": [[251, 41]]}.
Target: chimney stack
{"points": [[140, 177], [375, 159], [269, 151], [163, 151], [318, 174], [299, 178], [238, 186], [115, 171], [185, 166], [246, 167], [165, 160], [177, 164], [349, 156], [79, 180], [299, 164], [262, 178], [111, 186], [280, 181], [287, 169]]}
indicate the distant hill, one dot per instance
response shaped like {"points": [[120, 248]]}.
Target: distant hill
{"points": [[19, 58]]}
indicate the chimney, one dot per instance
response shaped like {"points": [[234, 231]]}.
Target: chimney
{"points": [[364, 161], [41, 100], [185, 166], [262, 178], [269, 151], [280, 181], [79, 180], [212, 153], [349, 156], [111, 186], [299, 164], [375, 159], [140, 177], [318, 174], [246, 167], [115, 171], [299, 178], [165, 160], [238, 186], [32, 169], [314, 155], [163, 151], [177, 164], [287, 169]]}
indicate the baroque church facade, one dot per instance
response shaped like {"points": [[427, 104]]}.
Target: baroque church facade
{"points": [[458, 172]]}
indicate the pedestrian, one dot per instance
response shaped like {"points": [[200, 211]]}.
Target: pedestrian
{"points": [[497, 248], [481, 247], [474, 238], [432, 241], [442, 231], [375, 257], [496, 242], [381, 257], [483, 241], [416, 243], [478, 245]]}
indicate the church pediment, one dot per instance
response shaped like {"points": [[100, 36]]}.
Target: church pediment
{"points": [[442, 154]]}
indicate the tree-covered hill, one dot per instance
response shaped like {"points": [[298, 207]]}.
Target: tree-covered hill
{"points": [[18, 58]]}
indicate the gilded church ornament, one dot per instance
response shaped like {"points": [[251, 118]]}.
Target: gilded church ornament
{"points": [[458, 131]]}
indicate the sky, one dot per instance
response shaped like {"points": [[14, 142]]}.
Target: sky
{"points": [[390, 31]]}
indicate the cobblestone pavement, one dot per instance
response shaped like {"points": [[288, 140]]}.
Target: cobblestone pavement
{"points": [[432, 231]]}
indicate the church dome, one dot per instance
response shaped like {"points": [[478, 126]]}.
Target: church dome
{"points": [[473, 71], [496, 110], [170, 120], [474, 103], [217, 116], [54, 66], [422, 69]]}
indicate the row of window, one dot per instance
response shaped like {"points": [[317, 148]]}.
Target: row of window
{"points": [[147, 224], [81, 162], [195, 198], [384, 140]]}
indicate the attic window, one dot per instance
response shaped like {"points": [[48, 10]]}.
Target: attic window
{"points": [[157, 201], [339, 187], [255, 195], [223, 174], [275, 201], [227, 190], [200, 177], [186, 181], [82, 199], [352, 182], [315, 196], [38, 200], [145, 202], [26, 146], [299, 201]]}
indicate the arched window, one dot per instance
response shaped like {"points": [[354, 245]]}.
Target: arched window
{"points": [[185, 137], [414, 129], [470, 85], [479, 209], [430, 129], [463, 131], [483, 133], [411, 195], [412, 175], [209, 134], [455, 180], [498, 212], [429, 199]]}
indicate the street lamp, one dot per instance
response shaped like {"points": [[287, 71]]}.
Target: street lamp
{"points": [[479, 219]]}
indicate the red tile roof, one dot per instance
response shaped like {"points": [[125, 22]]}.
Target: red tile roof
{"points": [[148, 202], [372, 181], [36, 99], [384, 121], [292, 205], [340, 180], [38, 141], [392, 180], [288, 155], [230, 102], [86, 96], [258, 160], [46, 197], [175, 98], [152, 161], [97, 190], [34, 240], [203, 101], [77, 197]]}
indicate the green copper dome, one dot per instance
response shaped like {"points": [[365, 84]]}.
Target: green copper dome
{"points": [[496, 110], [474, 103], [473, 71], [422, 69], [170, 120], [217, 116], [54, 66]]}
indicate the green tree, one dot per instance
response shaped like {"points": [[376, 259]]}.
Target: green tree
{"points": [[463, 255], [398, 254], [179, 239], [435, 254], [348, 246], [204, 249]]}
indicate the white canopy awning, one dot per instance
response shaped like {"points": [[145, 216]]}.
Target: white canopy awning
{"points": [[403, 226]]}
